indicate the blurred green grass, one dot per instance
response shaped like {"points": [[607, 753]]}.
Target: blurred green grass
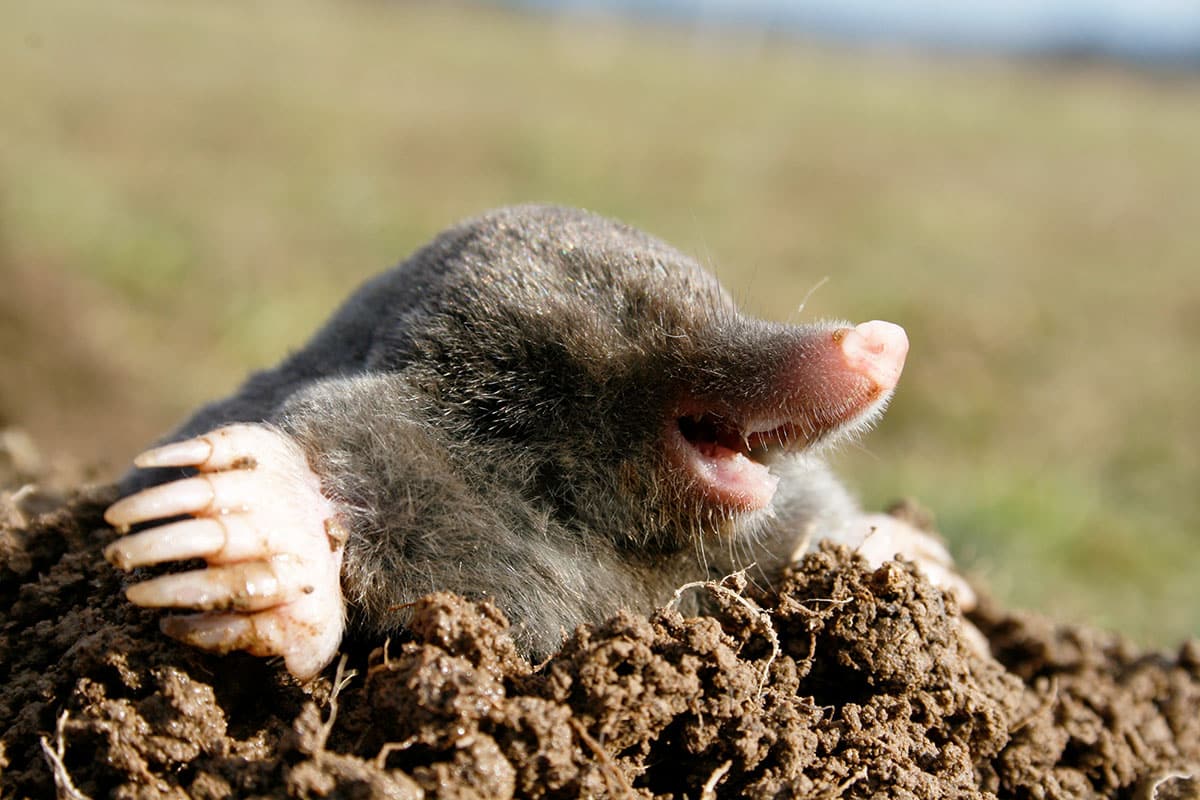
{"points": [[187, 189]]}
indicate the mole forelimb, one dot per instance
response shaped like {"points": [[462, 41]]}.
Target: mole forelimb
{"points": [[541, 407]]}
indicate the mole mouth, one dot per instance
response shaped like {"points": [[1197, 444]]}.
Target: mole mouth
{"points": [[716, 437], [731, 462]]}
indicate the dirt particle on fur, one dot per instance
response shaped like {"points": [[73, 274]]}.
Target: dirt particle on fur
{"points": [[843, 681]]}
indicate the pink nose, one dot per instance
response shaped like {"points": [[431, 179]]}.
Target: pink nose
{"points": [[876, 350]]}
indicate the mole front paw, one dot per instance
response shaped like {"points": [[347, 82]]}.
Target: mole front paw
{"points": [[272, 541]]}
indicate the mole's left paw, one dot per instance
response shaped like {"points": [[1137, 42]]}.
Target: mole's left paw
{"points": [[274, 549]]}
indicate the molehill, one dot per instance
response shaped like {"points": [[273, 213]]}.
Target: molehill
{"points": [[841, 682]]}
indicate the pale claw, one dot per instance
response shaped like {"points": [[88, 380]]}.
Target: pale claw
{"points": [[195, 538], [279, 632], [219, 539], [271, 540], [187, 496], [188, 453], [234, 446], [248, 586]]}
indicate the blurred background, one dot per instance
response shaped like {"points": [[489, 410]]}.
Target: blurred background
{"points": [[187, 189]]}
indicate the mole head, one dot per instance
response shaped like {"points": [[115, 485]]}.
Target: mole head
{"points": [[639, 400]]}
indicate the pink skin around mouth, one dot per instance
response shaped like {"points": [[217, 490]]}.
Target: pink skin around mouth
{"points": [[732, 478]]}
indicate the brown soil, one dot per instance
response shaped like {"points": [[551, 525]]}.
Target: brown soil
{"points": [[846, 682]]}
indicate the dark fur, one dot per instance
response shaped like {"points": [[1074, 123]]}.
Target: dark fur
{"points": [[489, 418]]}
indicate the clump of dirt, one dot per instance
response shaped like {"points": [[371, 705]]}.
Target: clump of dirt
{"points": [[842, 682]]}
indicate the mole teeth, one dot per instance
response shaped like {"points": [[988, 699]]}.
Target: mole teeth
{"points": [[760, 440], [760, 426]]}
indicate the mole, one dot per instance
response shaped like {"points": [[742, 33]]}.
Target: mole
{"points": [[541, 407]]}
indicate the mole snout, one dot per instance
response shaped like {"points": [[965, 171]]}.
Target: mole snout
{"points": [[876, 350], [831, 382]]}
